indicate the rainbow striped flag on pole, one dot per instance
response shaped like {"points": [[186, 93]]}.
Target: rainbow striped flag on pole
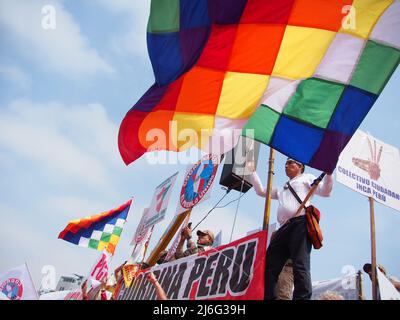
{"points": [[100, 232]]}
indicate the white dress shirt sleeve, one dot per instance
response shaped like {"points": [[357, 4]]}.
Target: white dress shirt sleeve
{"points": [[259, 189], [324, 188]]}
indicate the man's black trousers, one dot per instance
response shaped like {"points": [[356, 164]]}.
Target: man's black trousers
{"points": [[290, 241]]}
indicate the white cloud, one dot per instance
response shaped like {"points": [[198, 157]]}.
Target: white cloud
{"points": [[63, 49], [15, 75], [126, 5], [74, 207], [77, 143], [137, 13], [37, 244]]}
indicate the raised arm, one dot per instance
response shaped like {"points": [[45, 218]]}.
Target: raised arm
{"points": [[258, 188], [324, 188], [186, 234], [161, 295]]}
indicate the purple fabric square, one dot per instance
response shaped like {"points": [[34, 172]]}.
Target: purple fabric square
{"points": [[192, 45], [227, 11], [327, 155], [151, 98]]}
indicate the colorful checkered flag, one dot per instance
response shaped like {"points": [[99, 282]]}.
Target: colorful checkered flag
{"points": [[100, 232]]}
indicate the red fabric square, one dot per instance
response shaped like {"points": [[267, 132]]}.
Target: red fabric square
{"points": [[267, 11], [217, 51], [170, 98]]}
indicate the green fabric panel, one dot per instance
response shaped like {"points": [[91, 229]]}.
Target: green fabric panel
{"points": [[117, 231], [164, 16], [377, 63], [314, 101], [105, 237], [263, 122], [93, 243]]}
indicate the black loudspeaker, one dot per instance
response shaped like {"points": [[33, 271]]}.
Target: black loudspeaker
{"points": [[235, 174]]}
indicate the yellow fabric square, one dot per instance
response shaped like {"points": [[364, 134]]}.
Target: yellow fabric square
{"points": [[363, 17], [241, 93], [301, 51], [102, 245], [114, 239], [187, 129]]}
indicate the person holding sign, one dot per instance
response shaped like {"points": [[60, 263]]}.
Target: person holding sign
{"points": [[291, 240]]}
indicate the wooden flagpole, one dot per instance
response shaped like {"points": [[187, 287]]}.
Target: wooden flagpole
{"points": [[267, 207], [373, 250], [310, 193], [165, 240]]}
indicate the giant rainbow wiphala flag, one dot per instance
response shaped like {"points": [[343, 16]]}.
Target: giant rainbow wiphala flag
{"points": [[317, 66]]}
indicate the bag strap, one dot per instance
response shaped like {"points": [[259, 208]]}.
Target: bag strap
{"points": [[295, 195], [314, 185], [297, 198], [294, 192], [316, 181]]}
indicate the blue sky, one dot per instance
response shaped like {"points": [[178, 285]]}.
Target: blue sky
{"points": [[63, 94]]}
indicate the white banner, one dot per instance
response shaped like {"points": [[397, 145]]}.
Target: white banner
{"points": [[345, 286], [141, 230], [139, 251], [233, 271], [371, 167], [17, 284], [100, 269], [159, 204], [386, 288]]}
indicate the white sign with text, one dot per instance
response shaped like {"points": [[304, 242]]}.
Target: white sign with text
{"points": [[370, 167]]}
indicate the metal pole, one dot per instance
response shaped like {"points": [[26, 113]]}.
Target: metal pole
{"points": [[134, 249], [360, 286], [33, 284], [237, 209], [373, 250], [267, 207]]}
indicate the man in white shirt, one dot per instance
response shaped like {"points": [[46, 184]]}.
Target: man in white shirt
{"points": [[291, 241]]}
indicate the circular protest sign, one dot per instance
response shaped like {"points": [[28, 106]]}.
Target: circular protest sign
{"points": [[12, 289], [198, 181]]}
